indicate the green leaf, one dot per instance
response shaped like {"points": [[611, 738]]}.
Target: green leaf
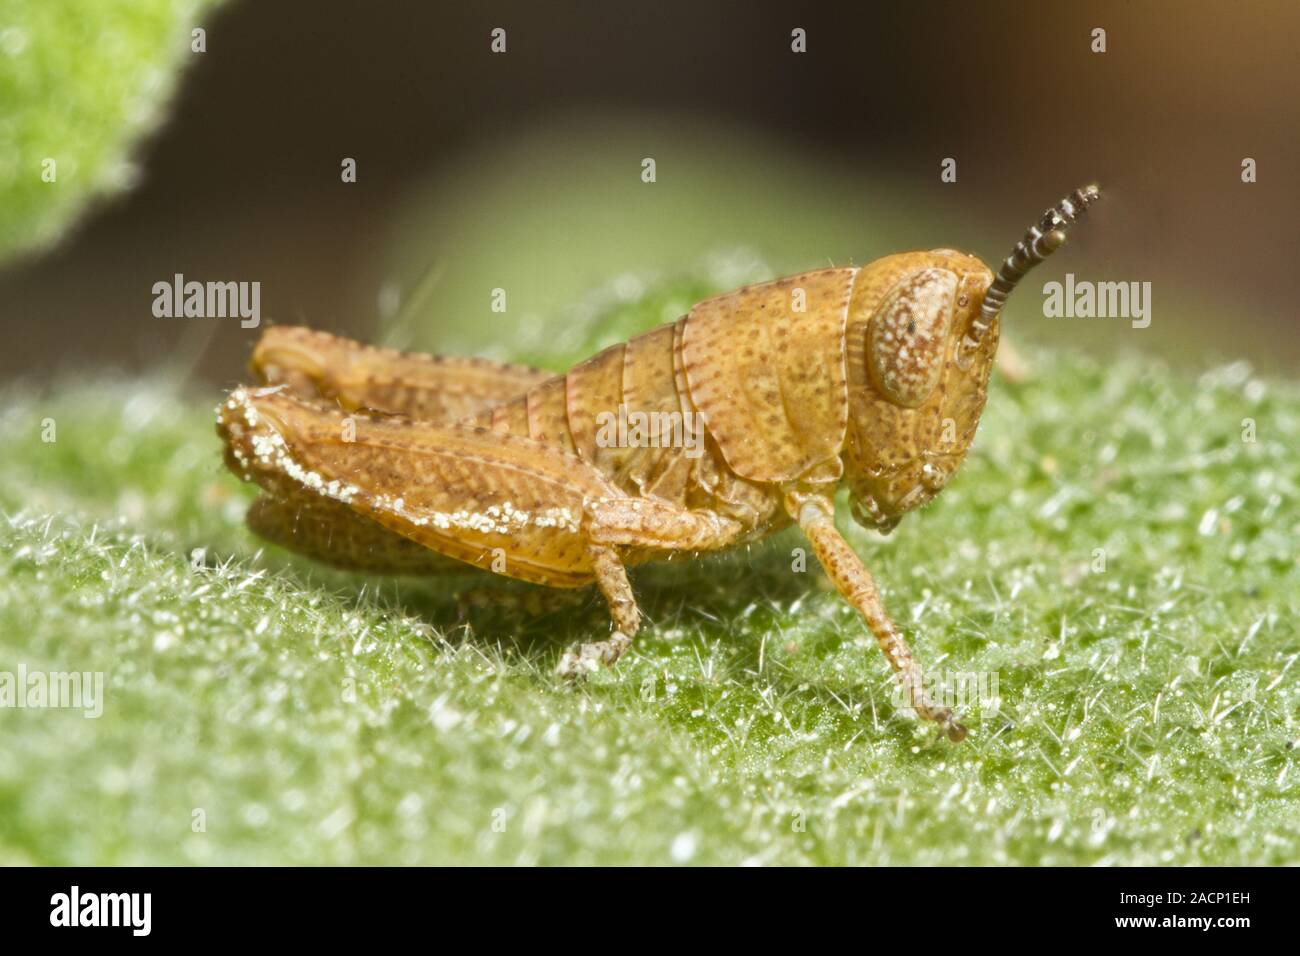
{"points": [[260, 709], [80, 84]]}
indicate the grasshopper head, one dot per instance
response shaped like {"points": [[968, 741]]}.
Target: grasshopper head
{"points": [[922, 337]]}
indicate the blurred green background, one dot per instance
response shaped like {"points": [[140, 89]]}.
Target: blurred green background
{"points": [[522, 170]]}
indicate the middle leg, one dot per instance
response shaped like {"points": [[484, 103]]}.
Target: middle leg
{"points": [[636, 524], [611, 578]]}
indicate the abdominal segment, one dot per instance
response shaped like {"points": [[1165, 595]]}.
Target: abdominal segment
{"points": [[628, 411]]}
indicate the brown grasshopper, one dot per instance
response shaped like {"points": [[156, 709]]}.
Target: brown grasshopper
{"points": [[874, 376]]}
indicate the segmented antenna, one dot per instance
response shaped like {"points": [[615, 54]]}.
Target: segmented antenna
{"points": [[1040, 241]]}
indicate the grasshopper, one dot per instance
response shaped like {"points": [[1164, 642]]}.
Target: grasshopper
{"points": [[872, 376]]}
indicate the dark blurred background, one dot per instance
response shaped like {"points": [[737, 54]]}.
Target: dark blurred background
{"points": [[522, 170]]}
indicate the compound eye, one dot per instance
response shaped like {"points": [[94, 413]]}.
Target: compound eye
{"points": [[908, 335]]}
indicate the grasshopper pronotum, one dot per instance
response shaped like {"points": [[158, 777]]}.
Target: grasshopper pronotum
{"points": [[873, 375]]}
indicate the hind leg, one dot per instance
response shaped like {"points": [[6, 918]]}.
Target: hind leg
{"points": [[433, 388], [318, 366], [334, 534]]}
